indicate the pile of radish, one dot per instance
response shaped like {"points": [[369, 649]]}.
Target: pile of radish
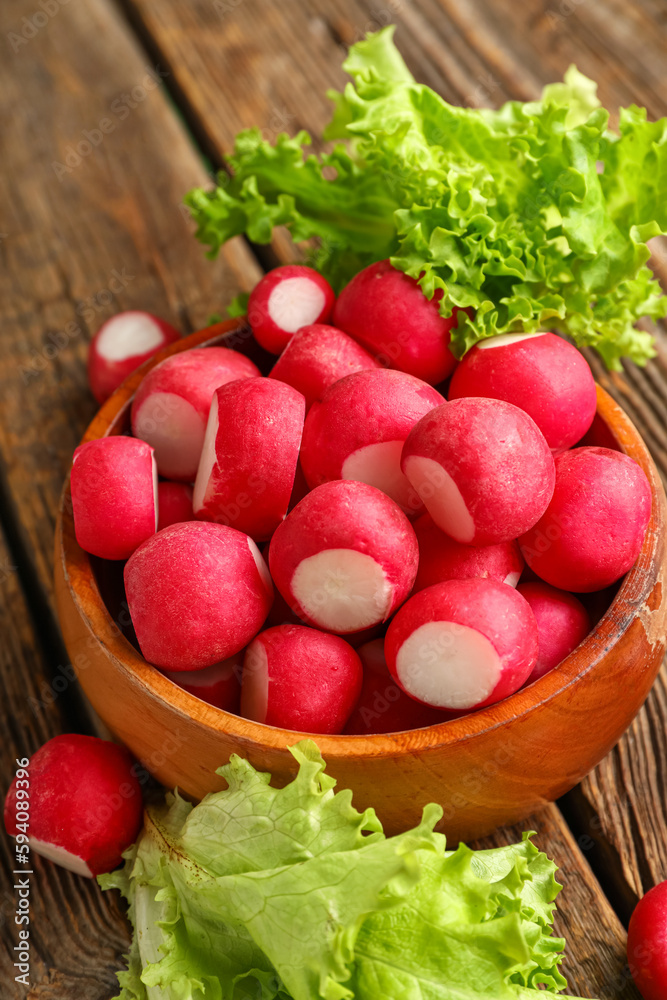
{"points": [[352, 544]]}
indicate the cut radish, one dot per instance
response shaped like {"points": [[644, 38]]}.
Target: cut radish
{"points": [[122, 344], [301, 679], [219, 685], [463, 644], [248, 462], [197, 593], [345, 558], [174, 504], [114, 496], [441, 558], [316, 357], [83, 804], [594, 527], [539, 372], [387, 312], [172, 404], [482, 468], [382, 707], [562, 623], [286, 299], [358, 430]]}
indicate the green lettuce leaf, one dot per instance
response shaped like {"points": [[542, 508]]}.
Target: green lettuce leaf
{"points": [[529, 216], [263, 893]]}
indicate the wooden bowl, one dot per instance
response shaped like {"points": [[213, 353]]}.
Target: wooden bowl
{"points": [[493, 767]]}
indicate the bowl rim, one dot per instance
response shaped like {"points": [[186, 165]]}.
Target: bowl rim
{"points": [[633, 595]]}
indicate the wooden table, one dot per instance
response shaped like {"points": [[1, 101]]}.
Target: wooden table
{"points": [[110, 112]]}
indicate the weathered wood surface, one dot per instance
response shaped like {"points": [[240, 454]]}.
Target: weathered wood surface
{"points": [[70, 240]]}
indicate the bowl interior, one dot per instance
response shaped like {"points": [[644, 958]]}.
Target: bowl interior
{"points": [[100, 597]]}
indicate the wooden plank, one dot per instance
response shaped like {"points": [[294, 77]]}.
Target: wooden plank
{"points": [[95, 165], [595, 962], [77, 936]]}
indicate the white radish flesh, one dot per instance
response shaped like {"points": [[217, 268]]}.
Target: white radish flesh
{"points": [[286, 299], [342, 590], [345, 557], [171, 407], [448, 665], [462, 644], [122, 344]]}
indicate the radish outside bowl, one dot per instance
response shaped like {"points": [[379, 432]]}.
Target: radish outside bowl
{"points": [[490, 768]]}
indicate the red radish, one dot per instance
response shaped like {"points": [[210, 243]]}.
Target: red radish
{"points": [[174, 504], [298, 678], [219, 685], [647, 944], [197, 593], [359, 428], [387, 312], [441, 558], [286, 299], [122, 344], [248, 462], [316, 357], [172, 404], [78, 802], [539, 372], [463, 644], [482, 468], [345, 558], [382, 706], [562, 623], [593, 529], [114, 495]]}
